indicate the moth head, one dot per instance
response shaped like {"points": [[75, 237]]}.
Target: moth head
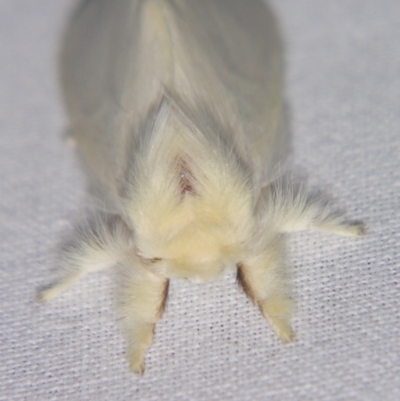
{"points": [[194, 224], [192, 239]]}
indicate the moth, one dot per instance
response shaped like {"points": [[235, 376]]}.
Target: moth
{"points": [[176, 109]]}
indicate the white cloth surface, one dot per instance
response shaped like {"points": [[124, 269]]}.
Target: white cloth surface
{"points": [[343, 88]]}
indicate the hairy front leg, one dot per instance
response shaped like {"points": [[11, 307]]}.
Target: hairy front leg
{"points": [[96, 244], [263, 279], [289, 208], [141, 302]]}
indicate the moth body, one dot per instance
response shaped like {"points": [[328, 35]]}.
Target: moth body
{"points": [[177, 113]]}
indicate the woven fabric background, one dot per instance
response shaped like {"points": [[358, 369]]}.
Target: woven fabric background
{"points": [[343, 87]]}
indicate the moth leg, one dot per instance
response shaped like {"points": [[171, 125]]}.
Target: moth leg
{"points": [[262, 278], [142, 296], [94, 245], [292, 208], [340, 225]]}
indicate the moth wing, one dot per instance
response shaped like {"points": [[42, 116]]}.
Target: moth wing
{"points": [[229, 54], [121, 57], [110, 56]]}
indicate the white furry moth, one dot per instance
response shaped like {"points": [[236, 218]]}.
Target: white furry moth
{"points": [[176, 110]]}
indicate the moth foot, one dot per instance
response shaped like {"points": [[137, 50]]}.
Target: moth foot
{"points": [[47, 293], [277, 310], [283, 330], [353, 228], [136, 363], [356, 229]]}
